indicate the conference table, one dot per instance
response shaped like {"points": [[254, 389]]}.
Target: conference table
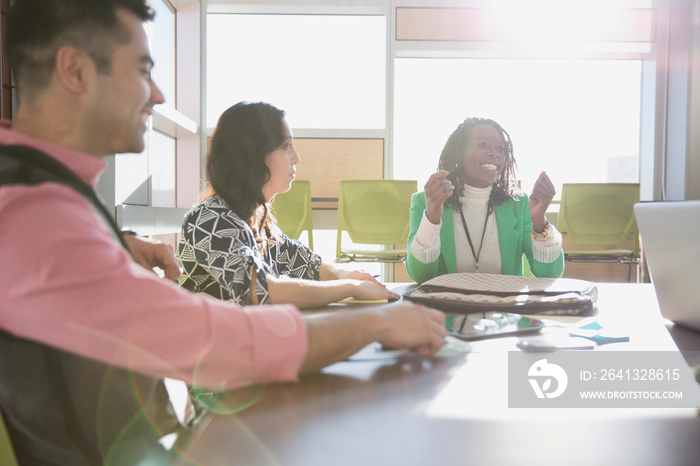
{"points": [[397, 408]]}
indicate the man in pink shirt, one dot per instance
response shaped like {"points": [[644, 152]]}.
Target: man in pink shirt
{"points": [[77, 307]]}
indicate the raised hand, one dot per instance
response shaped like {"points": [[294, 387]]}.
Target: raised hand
{"points": [[437, 190], [542, 194]]}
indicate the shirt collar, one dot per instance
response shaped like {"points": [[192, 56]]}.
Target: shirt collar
{"points": [[87, 167], [470, 192]]}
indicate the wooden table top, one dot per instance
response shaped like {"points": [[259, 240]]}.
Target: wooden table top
{"points": [[450, 410]]}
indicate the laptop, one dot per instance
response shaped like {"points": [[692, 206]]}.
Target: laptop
{"points": [[670, 234]]}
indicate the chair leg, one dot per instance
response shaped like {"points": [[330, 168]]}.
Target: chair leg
{"points": [[629, 272]]}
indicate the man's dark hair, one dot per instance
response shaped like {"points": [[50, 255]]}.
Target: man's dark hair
{"points": [[38, 28]]}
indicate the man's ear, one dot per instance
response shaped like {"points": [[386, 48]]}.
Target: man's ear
{"points": [[75, 69]]}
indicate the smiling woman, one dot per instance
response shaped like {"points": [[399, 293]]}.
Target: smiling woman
{"points": [[231, 247], [471, 216]]}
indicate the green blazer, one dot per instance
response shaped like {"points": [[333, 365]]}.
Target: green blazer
{"points": [[514, 226]]}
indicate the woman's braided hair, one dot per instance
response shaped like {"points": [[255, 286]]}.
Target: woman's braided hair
{"points": [[452, 160]]}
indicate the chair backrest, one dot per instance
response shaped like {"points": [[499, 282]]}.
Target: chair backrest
{"points": [[598, 213], [293, 210], [375, 211], [7, 453]]}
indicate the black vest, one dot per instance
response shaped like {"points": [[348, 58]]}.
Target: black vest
{"points": [[64, 409]]}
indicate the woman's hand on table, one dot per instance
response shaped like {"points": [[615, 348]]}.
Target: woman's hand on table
{"points": [[372, 290], [358, 275]]}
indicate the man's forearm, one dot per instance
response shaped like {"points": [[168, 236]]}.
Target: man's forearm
{"points": [[334, 337]]}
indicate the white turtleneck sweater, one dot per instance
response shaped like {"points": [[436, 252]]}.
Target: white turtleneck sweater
{"points": [[475, 203], [426, 243]]}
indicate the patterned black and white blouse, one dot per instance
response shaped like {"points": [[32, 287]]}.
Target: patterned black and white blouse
{"points": [[218, 254]]}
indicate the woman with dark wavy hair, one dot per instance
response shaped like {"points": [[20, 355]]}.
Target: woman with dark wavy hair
{"points": [[472, 217], [231, 247]]}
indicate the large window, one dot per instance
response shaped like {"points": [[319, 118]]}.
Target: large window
{"points": [[329, 73], [162, 38], [326, 71], [572, 105], [559, 113]]}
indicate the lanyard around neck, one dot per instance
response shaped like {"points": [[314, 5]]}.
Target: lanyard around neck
{"points": [[483, 233]]}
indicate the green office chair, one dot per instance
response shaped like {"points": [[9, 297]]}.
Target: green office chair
{"points": [[374, 212], [7, 453], [600, 214], [293, 211]]}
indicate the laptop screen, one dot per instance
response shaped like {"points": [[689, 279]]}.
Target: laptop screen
{"points": [[670, 233]]}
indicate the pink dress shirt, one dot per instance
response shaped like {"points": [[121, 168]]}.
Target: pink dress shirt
{"points": [[67, 283]]}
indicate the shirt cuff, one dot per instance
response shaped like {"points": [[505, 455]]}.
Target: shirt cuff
{"points": [[548, 251], [277, 336], [275, 328], [426, 244]]}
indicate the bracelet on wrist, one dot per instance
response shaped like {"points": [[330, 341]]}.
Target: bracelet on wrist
{"points": [[544, 236]]}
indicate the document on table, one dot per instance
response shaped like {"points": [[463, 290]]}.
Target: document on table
{"points": [[377, 351], [363, 301]]}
